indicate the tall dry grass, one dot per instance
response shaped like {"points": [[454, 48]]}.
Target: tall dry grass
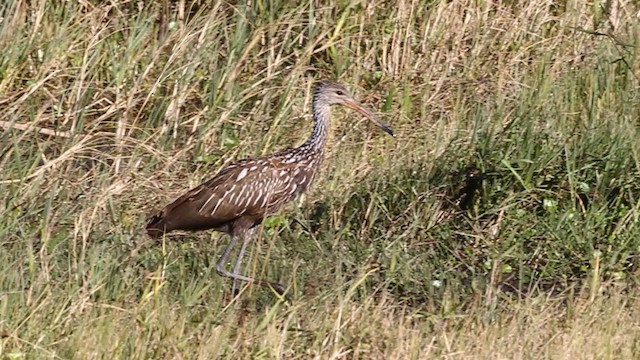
{"points": [[500, 224]]}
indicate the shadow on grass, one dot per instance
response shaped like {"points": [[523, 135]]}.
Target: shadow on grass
{"points": [[441, 236]]}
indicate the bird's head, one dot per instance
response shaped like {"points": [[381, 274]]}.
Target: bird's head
{"points": [[329, 93]]}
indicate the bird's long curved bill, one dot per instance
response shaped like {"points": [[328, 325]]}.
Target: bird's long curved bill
{"points": [[355, 105]]}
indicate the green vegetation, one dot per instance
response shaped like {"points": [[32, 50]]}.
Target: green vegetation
{"points": [[501, 223]]}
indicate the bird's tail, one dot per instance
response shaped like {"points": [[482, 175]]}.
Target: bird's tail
{"points": [[156, 226]]}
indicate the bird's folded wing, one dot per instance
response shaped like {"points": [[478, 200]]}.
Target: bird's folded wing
{"points": [[247, 189]]}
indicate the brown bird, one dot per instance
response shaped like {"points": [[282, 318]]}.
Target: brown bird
{"points": [[241, 195]]}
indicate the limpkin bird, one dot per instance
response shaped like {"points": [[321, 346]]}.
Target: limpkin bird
{"points": [[237, 199]]}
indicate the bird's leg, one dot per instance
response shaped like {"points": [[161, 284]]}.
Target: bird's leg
{"points": [[220, 266], [238, 266]]}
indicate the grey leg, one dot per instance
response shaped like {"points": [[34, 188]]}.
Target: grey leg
{"points": [[220, 265], [238, 266]]}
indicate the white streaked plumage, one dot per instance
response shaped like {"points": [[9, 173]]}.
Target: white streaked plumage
{"points": [[242, 174]]}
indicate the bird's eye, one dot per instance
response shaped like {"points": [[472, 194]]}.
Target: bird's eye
{"points": [[339, 92]]}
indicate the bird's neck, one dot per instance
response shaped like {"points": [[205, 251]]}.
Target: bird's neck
{"points": [[321, 114]]}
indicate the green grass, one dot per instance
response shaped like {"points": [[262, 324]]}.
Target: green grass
{"points": [[501, 223]]}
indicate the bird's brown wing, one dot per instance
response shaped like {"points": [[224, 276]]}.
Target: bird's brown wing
{"points": [[249, 188]]}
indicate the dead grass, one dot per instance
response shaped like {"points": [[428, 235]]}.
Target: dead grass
{"points": [[110, 110]]}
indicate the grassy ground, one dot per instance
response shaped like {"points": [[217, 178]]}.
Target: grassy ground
{"points": [[502, 222]]}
